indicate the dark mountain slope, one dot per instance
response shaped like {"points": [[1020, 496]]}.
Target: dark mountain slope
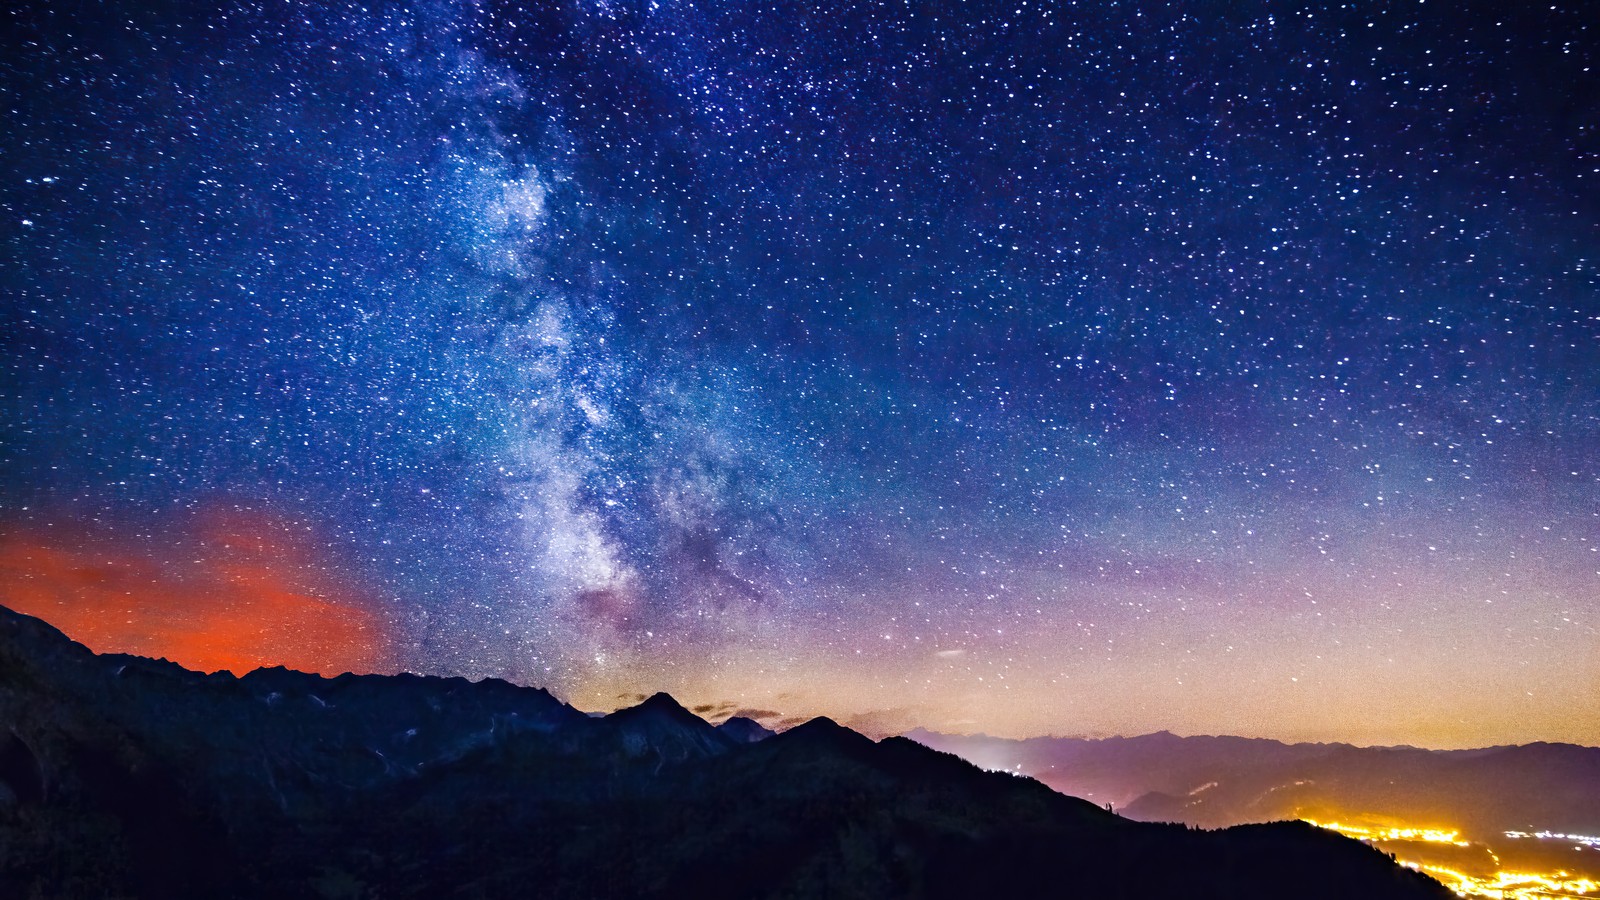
{"points": [[127, 777]]}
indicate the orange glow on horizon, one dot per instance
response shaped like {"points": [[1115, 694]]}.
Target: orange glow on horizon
{"points": [[250, 594]]}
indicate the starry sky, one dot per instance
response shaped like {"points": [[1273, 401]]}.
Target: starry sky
{"points": [[1028, 368]]}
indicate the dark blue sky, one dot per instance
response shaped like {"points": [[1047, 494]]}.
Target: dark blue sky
{"points": [[1025, 367]]}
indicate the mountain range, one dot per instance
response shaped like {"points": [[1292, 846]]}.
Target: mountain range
{"points": [[1214, 782], [122, 776]]}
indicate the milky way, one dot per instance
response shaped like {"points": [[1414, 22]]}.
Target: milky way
{"points": [[1030, 368]]}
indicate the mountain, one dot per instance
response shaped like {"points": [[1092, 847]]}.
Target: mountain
{"points": [[744, 730], [1215, 782], [1218, 781], [661, 729], [130, 777]]}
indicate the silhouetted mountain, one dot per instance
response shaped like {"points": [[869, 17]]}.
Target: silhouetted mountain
{"points": [[663, 730], [745, 731], [135, 778]]}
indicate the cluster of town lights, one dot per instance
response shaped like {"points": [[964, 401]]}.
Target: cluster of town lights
{"points": [[1502, 885], [1511, 885], [1430, 835], [1586, 840]]}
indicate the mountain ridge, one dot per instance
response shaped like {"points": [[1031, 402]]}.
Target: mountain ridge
{"points": [[137, 778], [1215, 781]]}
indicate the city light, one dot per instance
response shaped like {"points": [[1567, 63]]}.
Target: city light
{"points": [[1585, 840], [1429, 835], [1510, 885], [1501, 884]]}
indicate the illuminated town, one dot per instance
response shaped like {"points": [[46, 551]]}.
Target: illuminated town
{"points": [[1500, 883]]}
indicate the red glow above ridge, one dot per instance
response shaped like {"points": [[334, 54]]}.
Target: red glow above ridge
{"points": [[243, 593]]}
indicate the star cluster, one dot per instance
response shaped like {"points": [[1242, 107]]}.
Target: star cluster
{"points": [[1027, 367]]}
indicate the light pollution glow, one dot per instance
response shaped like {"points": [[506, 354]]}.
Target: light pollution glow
{"points": [[248, 593], [263, 600], [1501, 884]]}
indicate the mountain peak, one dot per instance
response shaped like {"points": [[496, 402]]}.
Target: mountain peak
{"points": [[660, 703], [823, 731], [664, 700], [661, 726], [745, 730]]}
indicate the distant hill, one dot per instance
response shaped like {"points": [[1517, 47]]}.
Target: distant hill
{"points": [[745, 730], [123, 776], [1219, 781]]}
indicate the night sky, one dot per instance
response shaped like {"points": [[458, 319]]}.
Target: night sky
{"points": [[1027, 368]]}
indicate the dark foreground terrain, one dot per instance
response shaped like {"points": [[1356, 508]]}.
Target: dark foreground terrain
{"points": [[127, 777]]}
